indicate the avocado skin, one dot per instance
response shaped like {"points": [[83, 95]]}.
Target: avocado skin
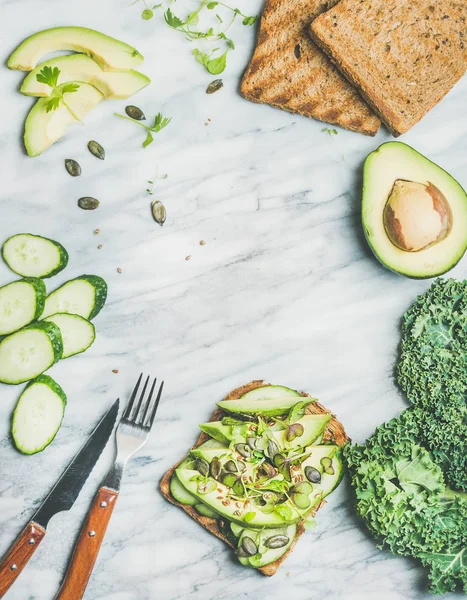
{"points": [[397, 160]]}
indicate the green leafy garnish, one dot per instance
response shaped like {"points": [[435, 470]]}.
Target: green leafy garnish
{"points": [[192, 30], [160, 123], [49, 76], [249, 516], [330, 131]]}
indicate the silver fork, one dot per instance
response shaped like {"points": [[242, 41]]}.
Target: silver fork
{"points": [[132, 433]]}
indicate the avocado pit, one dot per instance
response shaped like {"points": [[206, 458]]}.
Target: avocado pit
{"points": [[416, 215]]}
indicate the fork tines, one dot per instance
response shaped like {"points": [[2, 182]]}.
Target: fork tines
{"points": [[141, 412]]}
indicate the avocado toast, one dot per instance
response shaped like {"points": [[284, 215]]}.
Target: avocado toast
{"points": [[272, 529]]}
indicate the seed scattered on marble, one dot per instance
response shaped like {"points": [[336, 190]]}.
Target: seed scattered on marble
{"points": [[96, 149], [88, 203], [188, 257], [158, 212], [96, 231], [202, 243], [119, 270], [99, 246], [72, 167], [134, 112], [214, 86], [115, 371]]}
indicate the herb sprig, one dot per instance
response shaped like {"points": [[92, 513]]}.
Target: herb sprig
{"points": [[192, 31], [159, 123], [49, 76]]}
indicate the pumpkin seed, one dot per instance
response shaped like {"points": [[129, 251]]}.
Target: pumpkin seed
{"points": [[202, 466], [243, 449], [72, 167], [214, 86], [251, 441], [228, 479], [238, 488], [215, 468], [277, 541], [158, 212], [230, 466], [96, 149], [88, 203], [134, 112], [241, 466], [312, 474], [249, 546], [267, 470], [273, 449]]}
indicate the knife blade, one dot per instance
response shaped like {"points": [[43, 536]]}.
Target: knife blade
{"points": [[60, 498]]}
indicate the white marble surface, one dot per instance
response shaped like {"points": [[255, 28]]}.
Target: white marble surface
{"points": [[285, 289]]}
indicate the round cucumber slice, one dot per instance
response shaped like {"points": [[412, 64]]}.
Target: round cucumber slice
{"points": [[78, 334], [205, 511], [180, 493], [38, 415], [34, 256], [29, 352], [20, 303]]}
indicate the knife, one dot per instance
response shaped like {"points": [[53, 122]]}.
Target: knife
{"points": [[62, 497]]}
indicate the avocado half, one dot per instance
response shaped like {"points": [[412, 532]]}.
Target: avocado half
{"points": [[393, 162]]}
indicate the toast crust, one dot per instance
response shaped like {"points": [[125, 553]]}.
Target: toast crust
{"points": [[403, 55], [290, 72], [334, 432]]}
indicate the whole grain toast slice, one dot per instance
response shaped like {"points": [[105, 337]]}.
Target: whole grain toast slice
{"points": [[289, 71], [403, 55], [334, 432]]}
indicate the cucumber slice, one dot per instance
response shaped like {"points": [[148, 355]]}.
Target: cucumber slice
{"points": [[20, 303], [237, 530], [84, 296], [34, 256], [78, 334], [29, 352], [180, 493], [205, 511], [38, 415]]}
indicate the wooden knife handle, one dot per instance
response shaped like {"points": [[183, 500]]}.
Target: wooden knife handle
{"points": [[88, 546], [17, 557]]}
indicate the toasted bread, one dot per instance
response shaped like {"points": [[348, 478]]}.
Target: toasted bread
{"points": [[403, 55], [289, 71], [334, 432]]}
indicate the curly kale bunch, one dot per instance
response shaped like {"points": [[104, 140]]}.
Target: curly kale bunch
{"points": [[432, 371], [403, 499]]}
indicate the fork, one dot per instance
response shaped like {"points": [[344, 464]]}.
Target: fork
{"points": [[132, 433]]}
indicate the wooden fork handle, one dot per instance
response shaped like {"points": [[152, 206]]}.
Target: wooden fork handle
{"points": [[88, 546], [17, 557]]}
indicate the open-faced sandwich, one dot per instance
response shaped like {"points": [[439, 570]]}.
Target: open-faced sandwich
{"points": [[263, 465]]}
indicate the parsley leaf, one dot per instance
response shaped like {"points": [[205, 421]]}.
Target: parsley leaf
{"points": [[160, 123], [48, 76]]}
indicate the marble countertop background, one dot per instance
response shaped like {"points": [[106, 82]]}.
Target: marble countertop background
{"points": [[285, 289]]}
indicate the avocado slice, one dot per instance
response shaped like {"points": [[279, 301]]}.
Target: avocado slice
{"points": [[269, 400], [109, 53], [219, 431], [414, 213], [79, 67], [230, 511], [43, 128]]}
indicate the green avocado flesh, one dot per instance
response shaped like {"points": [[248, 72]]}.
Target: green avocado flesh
{"points": [[79, 67], [42, 128], [109, 53], [260, 477], [396, 161], [273, 401]]}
